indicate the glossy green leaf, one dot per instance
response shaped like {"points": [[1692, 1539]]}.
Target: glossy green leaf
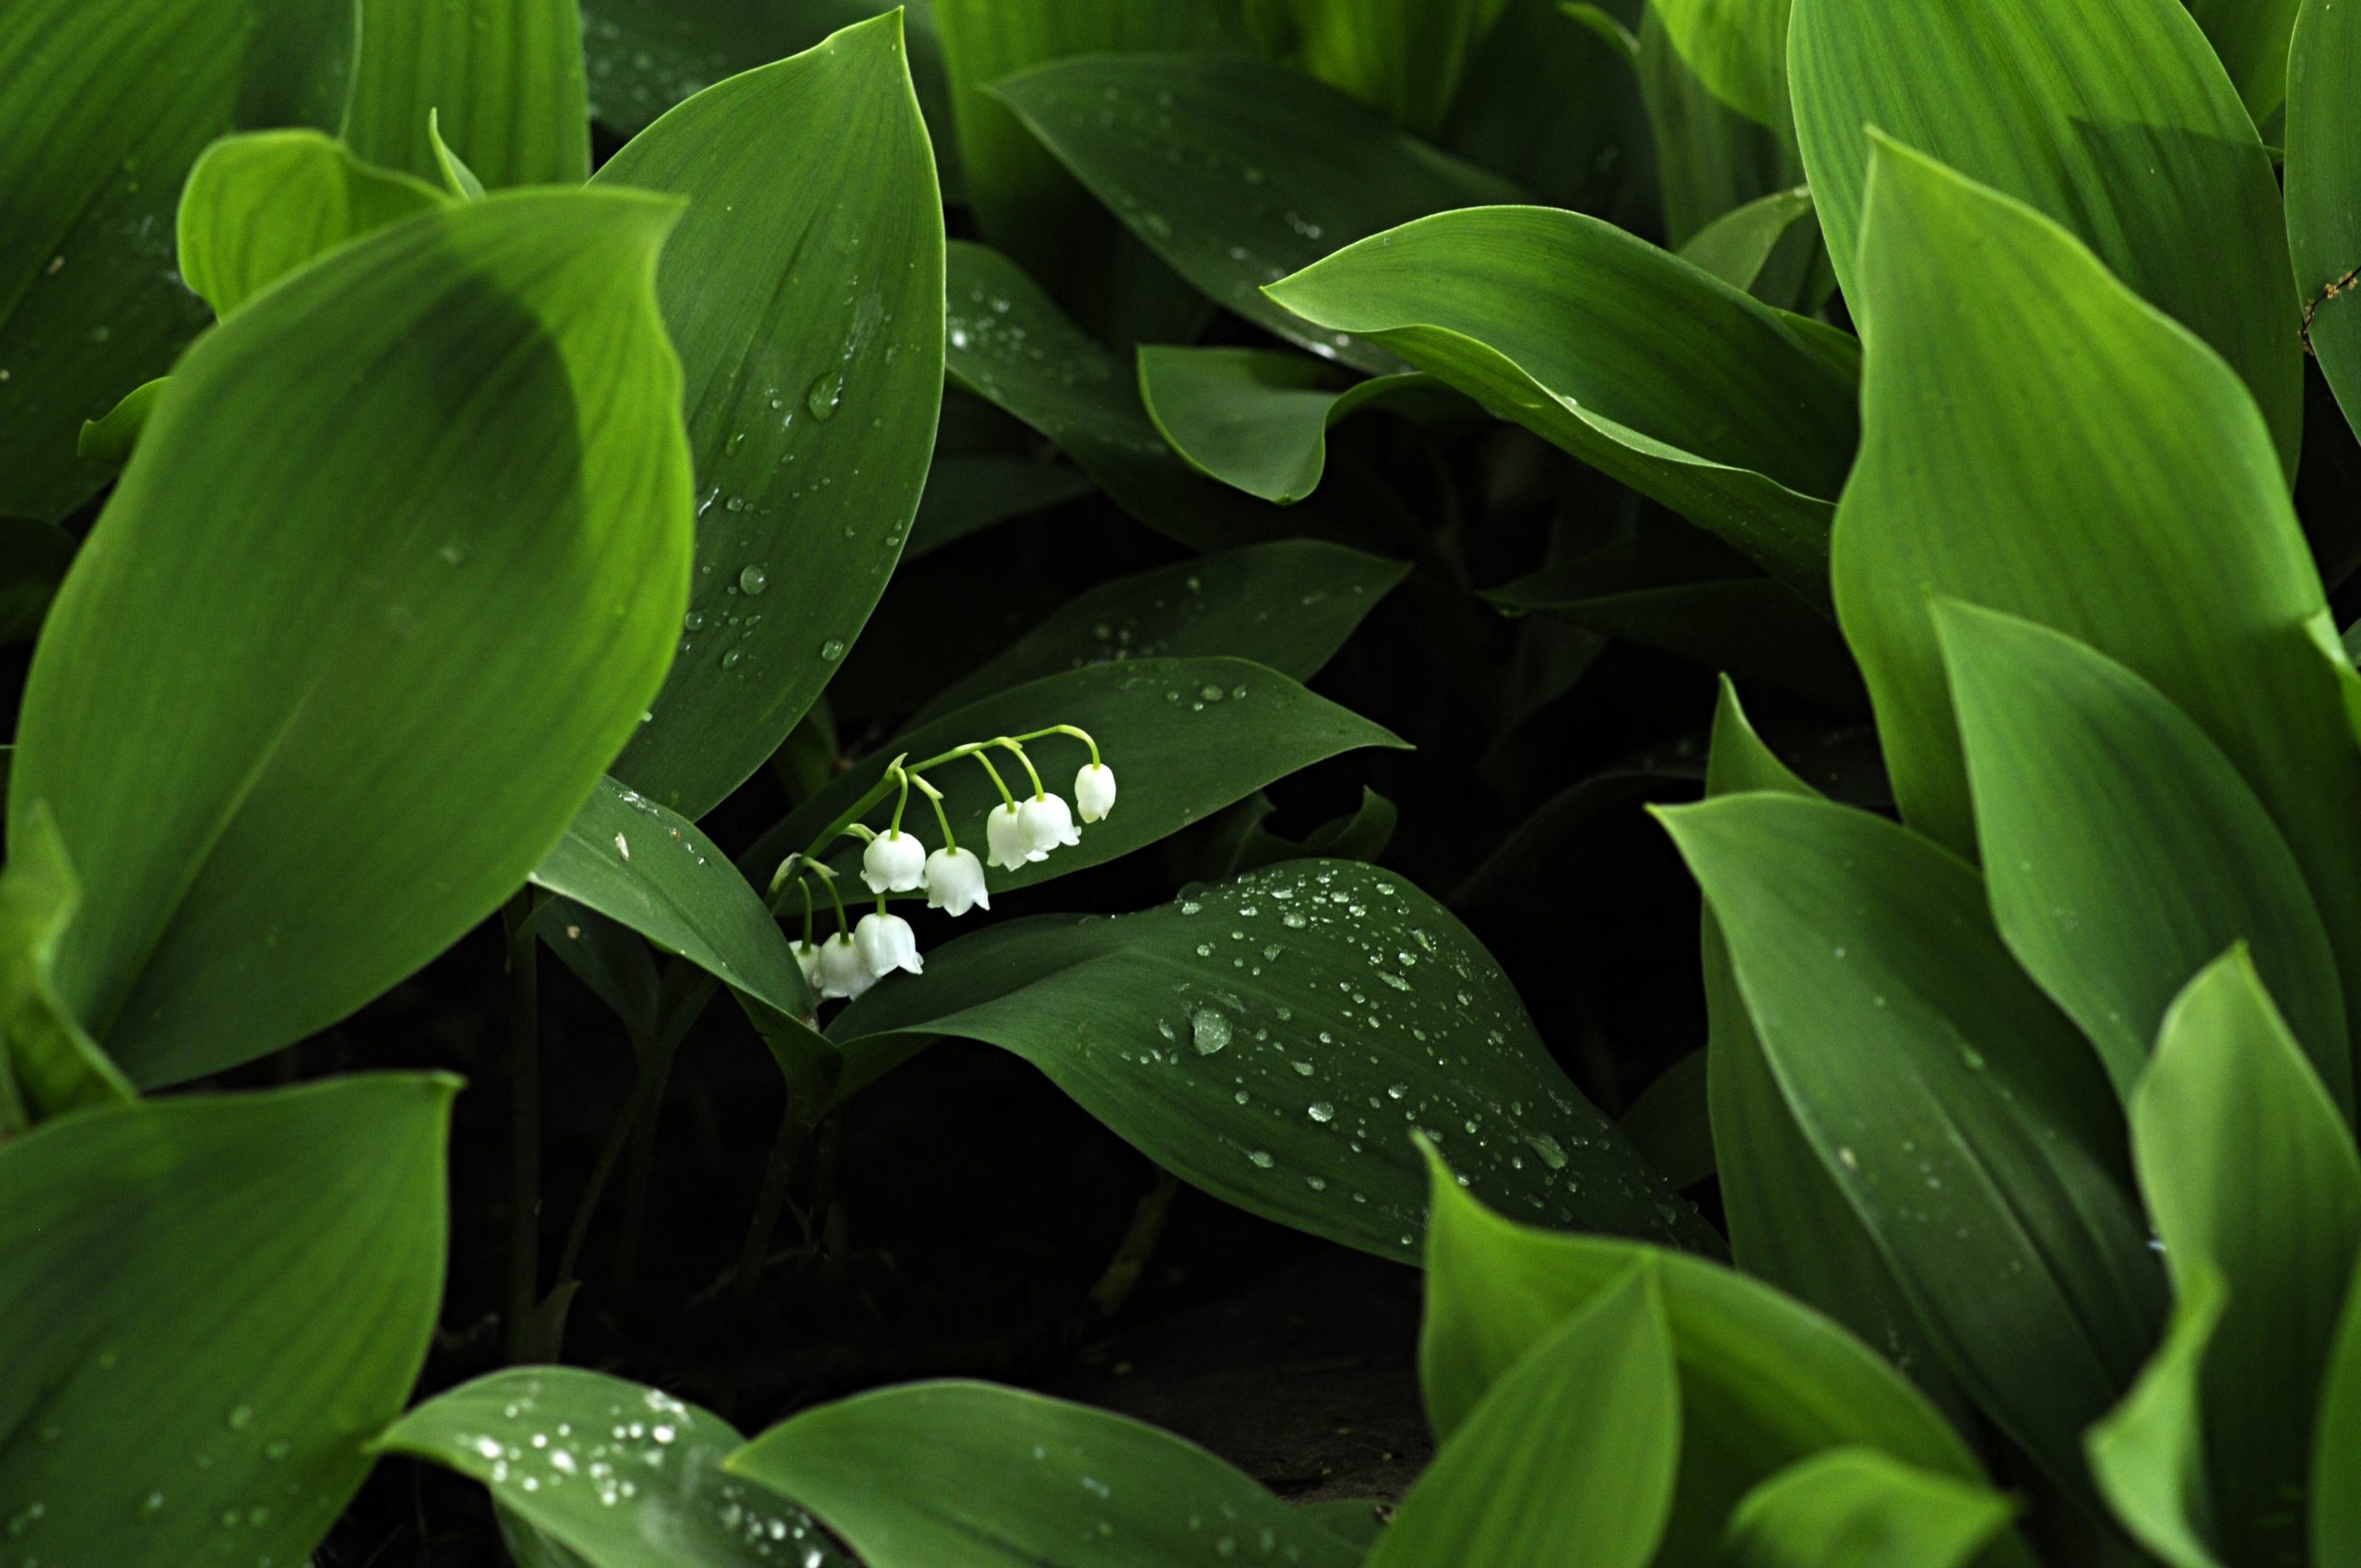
{"points": [[1008, 344], [1288, 606], [2148, 1454], [2336, 1446], [2324, 176], [2123, 851], [634, 861], [1855, 1508], [110, 439], [1971, 1128], [1764, 1380], [1404, 58], [1714, 77], [968, 1475], [34, 558], [1571, 1455], [1789, 1221], [806, 309], [1756, 248], [2278, 1215], [1186, 737], [211, 1303], [616, 1474], [50, 1066], [1275, 1040], [1258, 419], [1654, 373], [1237, 173], [291, 757], [968, 493], [502, 78], [2112, 117], [1024, 203], [2251, 37], [2083, 487], [1541, 104], [102, 111], [259, 207]]}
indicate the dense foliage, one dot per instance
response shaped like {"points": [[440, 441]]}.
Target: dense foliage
{"points": [[518, 517]]}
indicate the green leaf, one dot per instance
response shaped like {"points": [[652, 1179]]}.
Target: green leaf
{"points": [[2112, 117], [968, 493], [1764, 1380], [803, 291], [2251, 39], [1714, 74], [2148, 1454], [1275, 1040], [50, 1066], [1569, 1457], [2336, 1446], [502, 79], [96, 153], [1009, 345], [211, 1303], [1404, 58], [259, 207], [34, 558], [1258, 419], [634, 861], [1186, 737], [320, 689], [1855, 1508], [1968, 1125], [458, 180], [1652, 372], [1287, 605], [967, 1475], [2078, 481], [2123, 850], [1789, 1222], [1740, 247], [1362, 834], [1668, 1123], [1237, 173], [617, 1474], [2278, 1215], [112, 438], [2323, 171]]}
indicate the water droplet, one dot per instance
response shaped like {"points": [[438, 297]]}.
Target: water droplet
{"points": [[1209, 1031], [754, 580], [824, 395], [833, 649]]}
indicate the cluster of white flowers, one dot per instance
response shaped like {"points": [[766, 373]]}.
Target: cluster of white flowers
{"points": [[1016, 832]]}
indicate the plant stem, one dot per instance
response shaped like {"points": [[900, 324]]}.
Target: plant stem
{"points": [[794, 1126], [651, 1075], [643, 1167], [1123, 1270], [524, 1119]]}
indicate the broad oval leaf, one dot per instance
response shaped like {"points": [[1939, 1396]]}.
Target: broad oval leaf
{"points": [[2323, 171], [1238, 172], [970, 1475], [1855, 1508], [95, 156], [1287, 605], [1968, 1125], [616, 1474], [502, 79], [259, 207], [1765, 1381], [1652, 372], [327, 681], [1276, 1039], [210, 1304], [2059, 451], [805, 293], [2122, 850], [1571, 1455], [2112, 117]]}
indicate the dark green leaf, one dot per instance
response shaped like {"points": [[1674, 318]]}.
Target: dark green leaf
{"points": [[1275, 1040], [1360, 836], [2336, 1446], [616, 1474], [259, 207], [803, 291], [502, 77], [2148, 1453], [2112, 117], [1571, 1455], [1258, 419], [1855, 1508], [1654, 372], [2323, 171], [1714, 75], [49, 1065], [2250, 37], [1403, 57], [968, 493], [88, 305], [34, 558], [967, 1475], [1971, 1128], [1238, 172], [1669, 1126], [210, 1302], [1741, 247], [321, 687], [111, 439]]}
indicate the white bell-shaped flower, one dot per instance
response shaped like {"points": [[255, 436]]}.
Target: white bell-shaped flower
{"points": [[1048, 826], [1004, 836], [886, 943], [893, 863], [807, 959], [842, 973], [1093, 791], [954, 882]]}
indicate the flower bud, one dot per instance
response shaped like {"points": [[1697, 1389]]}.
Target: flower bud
{"points": [[893, 863], [1093, 791]]}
